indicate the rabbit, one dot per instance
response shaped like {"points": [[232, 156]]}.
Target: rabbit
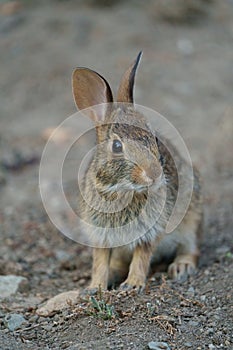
{"points": [[124, 169]]}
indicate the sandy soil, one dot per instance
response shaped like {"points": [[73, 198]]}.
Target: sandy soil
{"points": [[186, 75]]}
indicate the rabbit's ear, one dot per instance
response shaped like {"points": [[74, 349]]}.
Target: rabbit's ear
{"points": [[125, 91], [89, 89]]}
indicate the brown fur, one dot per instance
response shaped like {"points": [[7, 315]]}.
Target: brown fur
{"points": [[126, 176]]}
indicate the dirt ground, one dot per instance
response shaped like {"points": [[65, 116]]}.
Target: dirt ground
{"points": [[187, 75]]}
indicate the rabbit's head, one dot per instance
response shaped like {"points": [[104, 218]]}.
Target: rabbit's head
{"points": [[127, 156]]}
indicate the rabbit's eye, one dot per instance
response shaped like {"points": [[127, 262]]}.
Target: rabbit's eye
{"points": [[117, 146]]}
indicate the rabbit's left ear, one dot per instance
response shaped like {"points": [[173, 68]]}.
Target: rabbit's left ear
{"points": [[90, 89], [125, 91]]}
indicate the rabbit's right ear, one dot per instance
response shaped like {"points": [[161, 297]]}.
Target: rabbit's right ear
{"points": [[89, 89], [125, 91]]}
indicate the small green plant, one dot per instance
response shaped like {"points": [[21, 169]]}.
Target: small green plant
{"points": [[100, 308]]}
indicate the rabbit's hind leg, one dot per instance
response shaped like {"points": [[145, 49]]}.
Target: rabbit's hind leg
{"points": [[187, 254], [183, 266]]}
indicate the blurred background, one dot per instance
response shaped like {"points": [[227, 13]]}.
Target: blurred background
{"points": [[186, 74]]}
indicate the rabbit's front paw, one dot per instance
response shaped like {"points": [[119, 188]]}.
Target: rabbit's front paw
{"points": [[182, 267], [133, 283]]}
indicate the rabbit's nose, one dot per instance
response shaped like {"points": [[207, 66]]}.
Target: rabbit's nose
{"points": [[151, 176], [153, 173], [147, 179]]}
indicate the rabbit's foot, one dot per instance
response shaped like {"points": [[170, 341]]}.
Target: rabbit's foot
{"points": [[128, 287], [182, 267], [133, 283]]}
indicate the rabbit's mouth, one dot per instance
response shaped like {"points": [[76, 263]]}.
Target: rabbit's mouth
{"points": [[151, 184], [134, 186]]}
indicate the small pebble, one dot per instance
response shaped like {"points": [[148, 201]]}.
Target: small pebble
{"points": [[48, 327], [203, 297], [10, 284], [191, 291], [211, 347], [193, 323], [154, 345], [14, 321], [82, 282], [210, 331], [217, 317]]}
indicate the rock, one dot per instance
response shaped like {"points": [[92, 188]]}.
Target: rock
{"points": [[211, 347], [11, 284], [193, 323], [154, 345], [210, 331], [14, 321], [203, 298], [191, 291], [59, 302]]}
